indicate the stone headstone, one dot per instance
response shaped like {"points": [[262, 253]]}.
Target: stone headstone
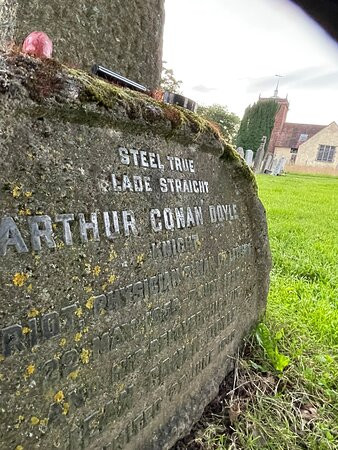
{"points": [[123, 36], [132, 264], [282, 166], [279, 166], [260, 156], [267, 163], [249, 157], [240, 151], [273, 165]]}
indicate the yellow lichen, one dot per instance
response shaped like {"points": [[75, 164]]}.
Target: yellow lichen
{"points": [[85, 330], [88, 289], [63, 342], [2, 358], [75, 278], [66, 407], [112, 278], [59, 397], [20, 278], [112, 255], [90, 303], [85, 355], [25, 212], [19, 422], [35, 420], [140, 259], [78, 337], [28, 194], [44, 422], [73, 375], [29, 370], [96, 271], [19, 447], [33, 313], [104, 287], [16, 191], [29, 288], [79, 312], [26, 330]]}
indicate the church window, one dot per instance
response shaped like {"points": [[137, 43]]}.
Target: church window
{"points": [[326, 153]]}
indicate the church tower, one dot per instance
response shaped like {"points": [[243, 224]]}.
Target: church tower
{"points": [[280, 118]]}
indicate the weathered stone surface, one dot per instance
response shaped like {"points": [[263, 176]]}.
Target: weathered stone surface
{"points": [[124, 36], [117, 335]]}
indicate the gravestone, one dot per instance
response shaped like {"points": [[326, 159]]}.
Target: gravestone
{"points": [[282, 166], [249, 157], [133, 259], [279, 166], [260, 155], [267, 163], [273, 164], [240, 151], [123, 36]]}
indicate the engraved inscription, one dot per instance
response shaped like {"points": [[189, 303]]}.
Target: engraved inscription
{"points": [[125, 290]]}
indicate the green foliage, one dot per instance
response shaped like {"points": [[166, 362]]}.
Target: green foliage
{"points": [[226, 121], [269, 345], [168, 80], [258, 121]]}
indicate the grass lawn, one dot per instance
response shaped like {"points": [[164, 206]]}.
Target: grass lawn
{"points": [[286, 380]]}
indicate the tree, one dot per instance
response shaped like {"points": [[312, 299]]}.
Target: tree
{"points": [[258, 120], [227, 122], [168, 81]]}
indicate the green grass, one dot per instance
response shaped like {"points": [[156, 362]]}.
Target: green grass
{"points": [[294, 408]]}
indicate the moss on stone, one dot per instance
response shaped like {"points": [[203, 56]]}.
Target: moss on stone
{"points": [[105, 94], [108, 95], [49, 79], [230, 154]]}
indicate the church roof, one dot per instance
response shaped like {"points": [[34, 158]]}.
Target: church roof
{"points": [[293, 134]]}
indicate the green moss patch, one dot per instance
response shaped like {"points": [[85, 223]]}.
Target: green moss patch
{"points": [[48, 79]]}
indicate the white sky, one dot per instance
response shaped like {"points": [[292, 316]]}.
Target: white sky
{"points": [[229, 51]]}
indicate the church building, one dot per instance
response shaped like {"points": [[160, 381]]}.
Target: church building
{"points": [[307, 148]]}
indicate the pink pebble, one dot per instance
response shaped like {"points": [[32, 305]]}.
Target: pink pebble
{"points": [[38, 44]]}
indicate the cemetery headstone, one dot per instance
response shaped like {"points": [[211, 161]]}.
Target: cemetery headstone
{"points": [[260, 155], [249, 157], [283, 163], [123, 36], [273, 165], [279, 166], [240, 151], [133, 259], [267, 163]]}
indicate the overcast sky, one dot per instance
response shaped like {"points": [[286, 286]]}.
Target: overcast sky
{"points": [[229, 51]]}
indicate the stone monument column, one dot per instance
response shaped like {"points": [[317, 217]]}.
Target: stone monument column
{"points": [[124, 36]]}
